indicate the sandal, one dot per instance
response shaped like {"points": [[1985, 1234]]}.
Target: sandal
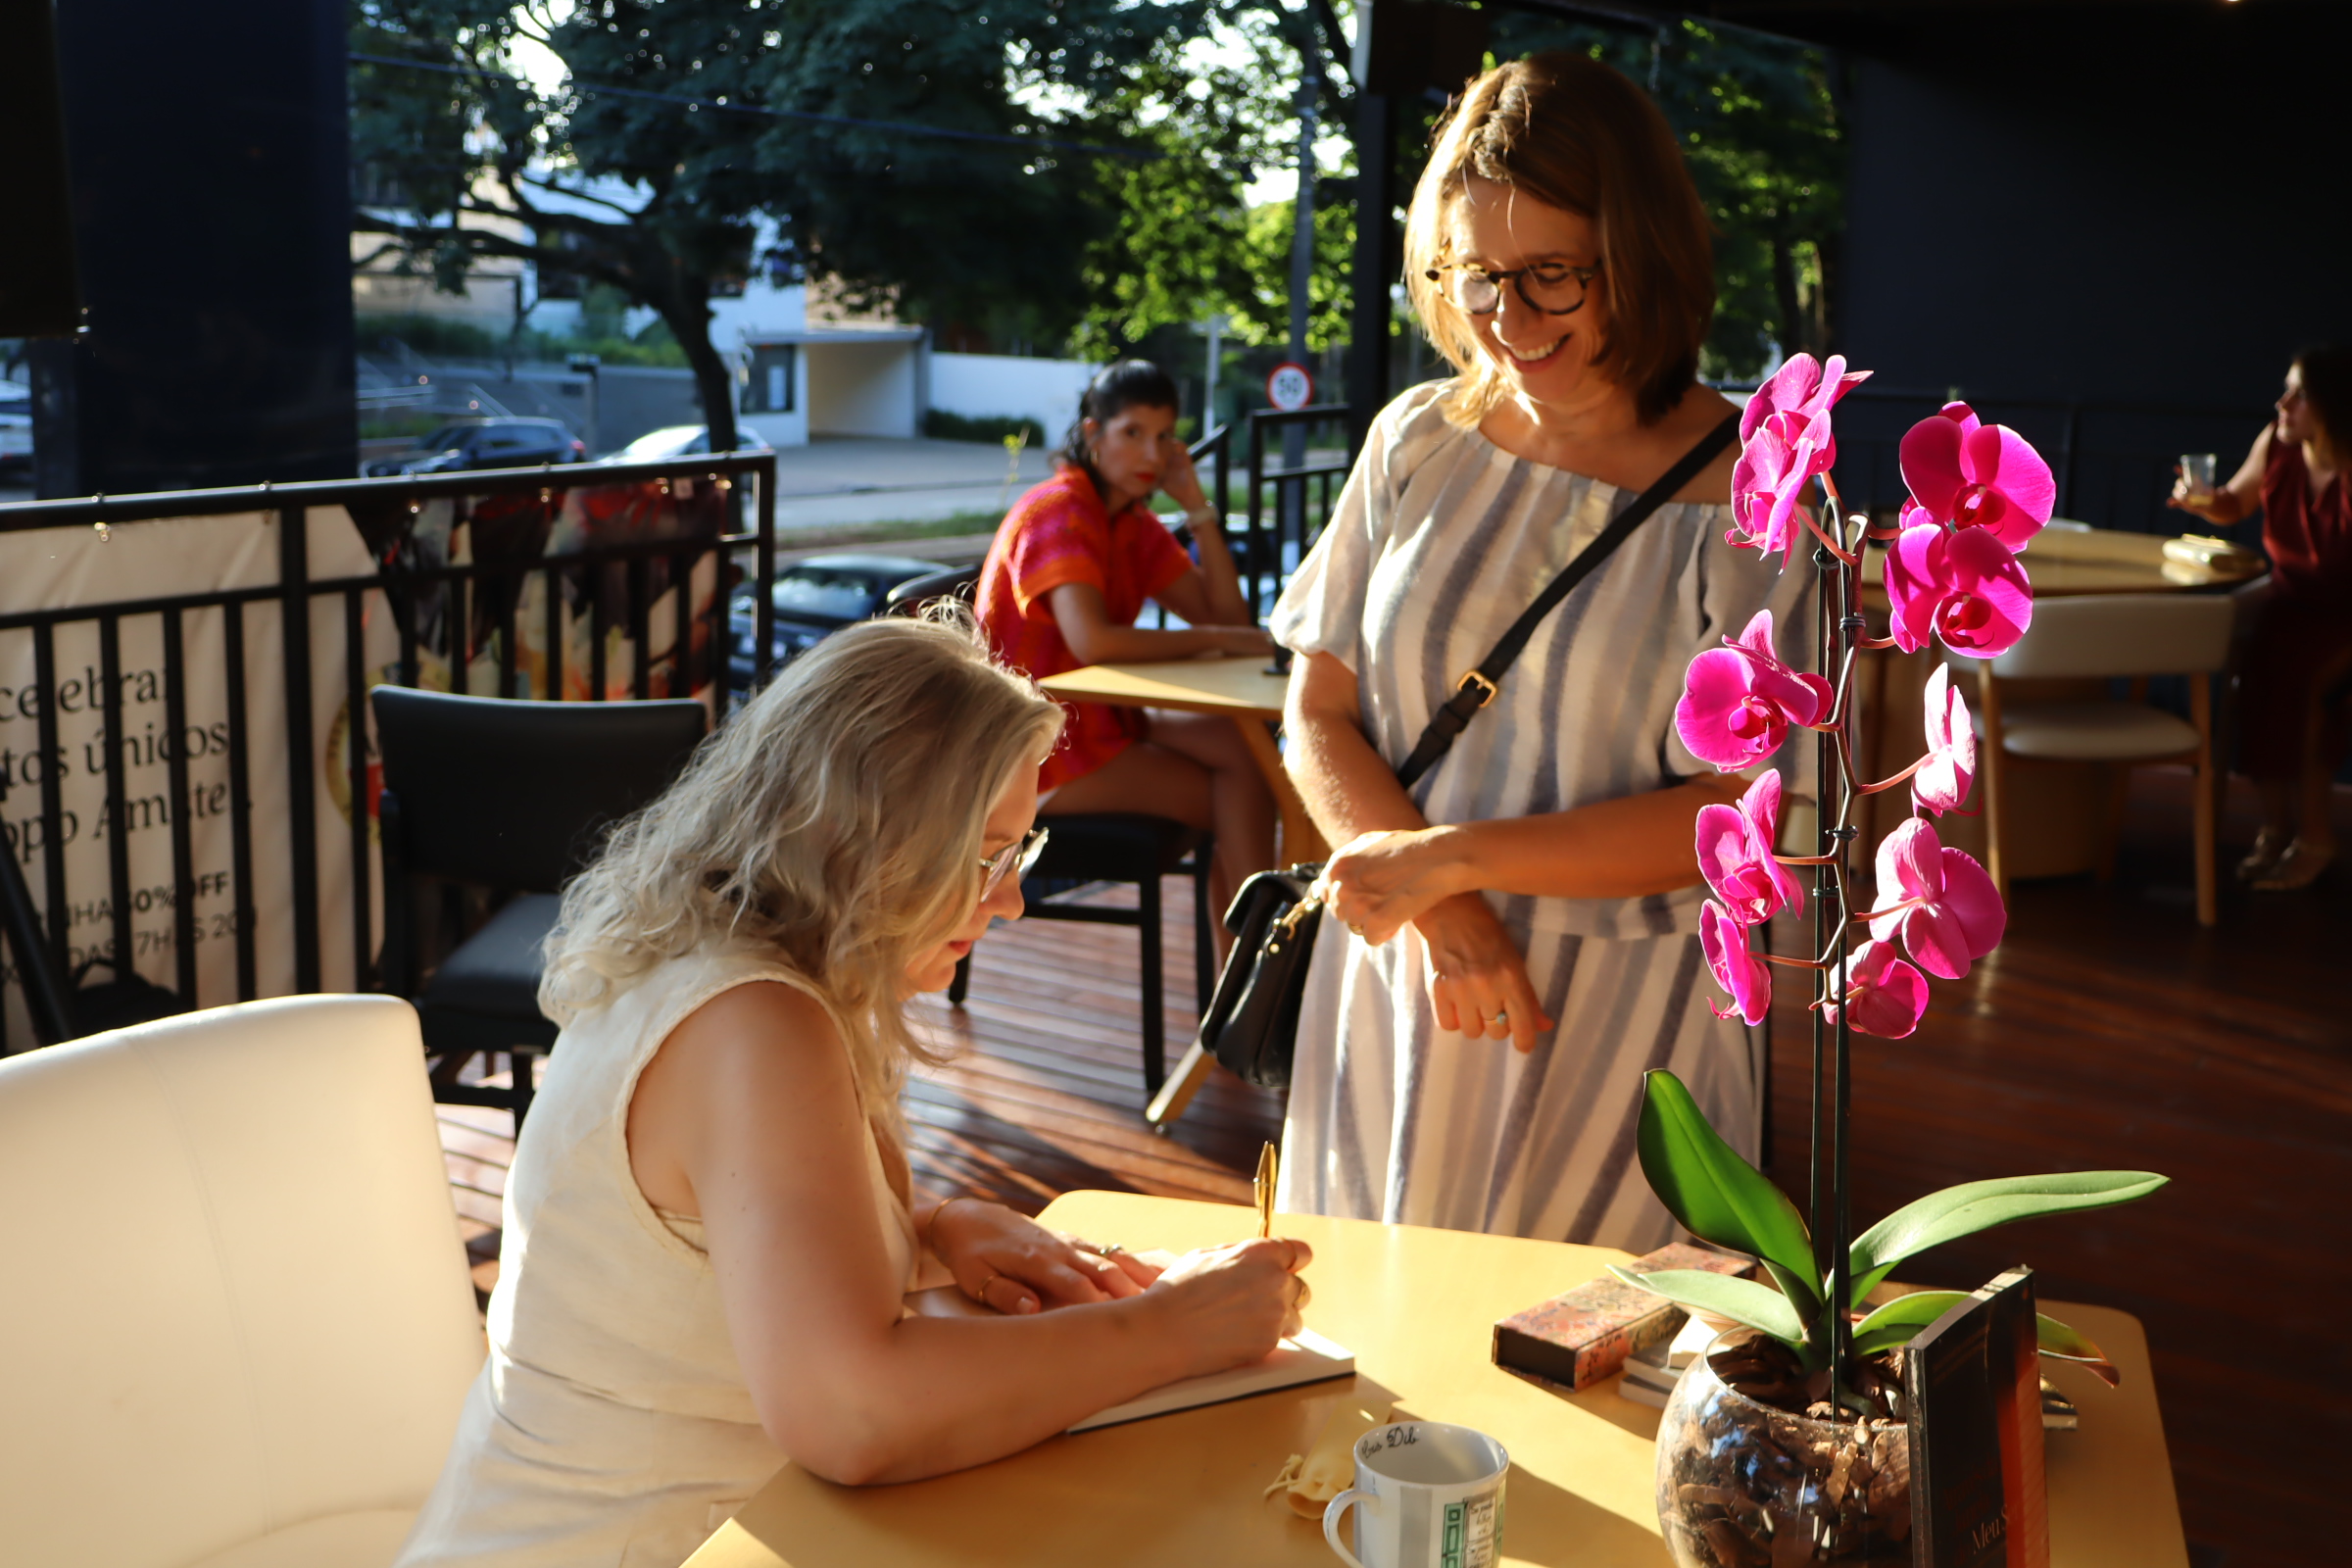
{"points": [[2270, 847], [2299, 867]]}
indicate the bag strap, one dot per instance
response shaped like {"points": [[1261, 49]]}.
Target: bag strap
{"points": [[1477, 688]]}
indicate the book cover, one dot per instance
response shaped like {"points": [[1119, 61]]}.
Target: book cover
{"points": [[1304, 1358], [1972, 1380], [1579, 1339]]}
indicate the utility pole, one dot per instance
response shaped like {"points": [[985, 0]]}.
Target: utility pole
{"points": [[1302, 272]]}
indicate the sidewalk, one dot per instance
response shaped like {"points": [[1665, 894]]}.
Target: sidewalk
{"points": [[842, 481]]}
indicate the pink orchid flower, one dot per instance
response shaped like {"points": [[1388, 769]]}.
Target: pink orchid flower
{"points": [[1963, 587], [1774, 465], [1735, 854], [1975, 475], [1802, 386], [1784, 440], [1739, 971], [1740, 700], [1944, 904], [1950, 766], [1885, 996]]}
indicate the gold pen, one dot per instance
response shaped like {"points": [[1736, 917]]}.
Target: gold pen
{"points": [[1268, 1163]]}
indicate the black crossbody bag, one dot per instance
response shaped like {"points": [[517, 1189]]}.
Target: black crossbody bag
{"points": [[1252, 1026]]}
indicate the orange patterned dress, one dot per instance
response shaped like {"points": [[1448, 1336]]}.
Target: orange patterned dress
{"points": [[1059, 533]]}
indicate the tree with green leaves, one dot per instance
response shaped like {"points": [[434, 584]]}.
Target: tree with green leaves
{"points": [[925, 152]]}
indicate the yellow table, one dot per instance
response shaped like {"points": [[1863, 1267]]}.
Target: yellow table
{"points": [[1418, 1307], [1245, 691]]}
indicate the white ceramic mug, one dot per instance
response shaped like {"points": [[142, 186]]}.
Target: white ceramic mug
{"points": [[1426, 1495]]}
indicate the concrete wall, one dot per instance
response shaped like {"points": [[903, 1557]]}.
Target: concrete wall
{"points": [[1000, 385], [861, 388]]}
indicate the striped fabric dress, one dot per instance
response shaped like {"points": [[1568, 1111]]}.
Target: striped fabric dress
{"points": [[1438, 541]]}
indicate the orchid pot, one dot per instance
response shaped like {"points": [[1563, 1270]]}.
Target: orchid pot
{"points": [[1815, 1378], [1743, 1484]]}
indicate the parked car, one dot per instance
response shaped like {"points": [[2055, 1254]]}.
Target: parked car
{"points": [[682, 441], [485, 443], [814, 598], [16, 426]]}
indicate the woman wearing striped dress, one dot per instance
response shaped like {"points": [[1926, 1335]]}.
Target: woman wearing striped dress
{"points": [[1515, 938]]}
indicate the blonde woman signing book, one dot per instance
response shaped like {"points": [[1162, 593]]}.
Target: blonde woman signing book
{"points": [[1525, 918], [707, 1233]]}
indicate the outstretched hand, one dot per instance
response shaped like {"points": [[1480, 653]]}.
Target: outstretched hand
{"points": [[1012, 1263]]}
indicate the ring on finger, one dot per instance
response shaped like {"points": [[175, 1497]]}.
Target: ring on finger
{"points": [[980, 1291]]}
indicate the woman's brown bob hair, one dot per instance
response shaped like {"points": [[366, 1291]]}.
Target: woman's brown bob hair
{"points": [[1568, 130]]}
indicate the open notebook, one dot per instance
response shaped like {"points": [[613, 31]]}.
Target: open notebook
{"points": [[1304, 1358]]}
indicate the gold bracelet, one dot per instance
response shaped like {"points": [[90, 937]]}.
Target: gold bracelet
{"points": [[930, 1222]]}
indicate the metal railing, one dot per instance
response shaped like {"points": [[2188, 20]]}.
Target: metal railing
{"points": [[1283, 504], [465, 613]]}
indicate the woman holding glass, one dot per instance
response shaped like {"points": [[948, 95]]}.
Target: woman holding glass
{"points": [[2291, 736], [1516, 937], [708, 1231]]}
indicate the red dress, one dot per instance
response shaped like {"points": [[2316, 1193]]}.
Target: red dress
{"points": [[1059, 533], [2304, 632]]}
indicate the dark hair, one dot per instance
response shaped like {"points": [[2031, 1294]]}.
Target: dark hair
{"points": [[1573, 132], [2328, 387], [1114, 389]]}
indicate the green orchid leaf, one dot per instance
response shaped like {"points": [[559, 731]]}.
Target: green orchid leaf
{"points": [[1741, 1300], [1901, 1318], [1718, 1197], [2068, 1344], [1973, 1206]]}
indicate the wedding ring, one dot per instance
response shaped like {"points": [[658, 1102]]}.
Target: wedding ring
{"points": [[1111, 1248], [980, 1291]]}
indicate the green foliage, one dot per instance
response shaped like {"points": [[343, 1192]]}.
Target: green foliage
{"points": [[1741, 1300], [1719, 1197], [441, 337], [1973, 1206], [993, 428], [1761, 133]]}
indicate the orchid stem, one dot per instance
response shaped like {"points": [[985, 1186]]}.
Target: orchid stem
{"points": [[1889, 783]]}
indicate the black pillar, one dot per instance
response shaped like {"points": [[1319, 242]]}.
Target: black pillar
{"points": [[209, 152], [1379, 252]]}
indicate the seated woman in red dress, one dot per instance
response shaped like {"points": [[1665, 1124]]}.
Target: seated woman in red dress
{"points": [[1070, 571], [2291, 712]]}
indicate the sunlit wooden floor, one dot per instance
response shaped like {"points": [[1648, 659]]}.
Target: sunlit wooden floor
{"points": [[2108, 1031]]}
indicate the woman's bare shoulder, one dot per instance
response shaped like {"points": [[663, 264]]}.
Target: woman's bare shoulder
{"points": [[1702, 409]]}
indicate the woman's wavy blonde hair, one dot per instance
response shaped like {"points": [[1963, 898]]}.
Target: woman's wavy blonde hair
{"points": [[836, 822], [1572, 132]]}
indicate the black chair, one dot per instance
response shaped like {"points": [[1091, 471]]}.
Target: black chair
{"points": [[1119, 847], [949, 583], [514, 796]]}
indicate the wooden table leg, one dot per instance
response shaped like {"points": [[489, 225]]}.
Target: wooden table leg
{"points": [[1300, 841], [1177, 1092]]}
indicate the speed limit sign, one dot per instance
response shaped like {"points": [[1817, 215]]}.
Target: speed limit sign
{"points": [[1290, 387]]}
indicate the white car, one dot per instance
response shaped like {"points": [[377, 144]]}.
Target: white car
{"points": [[16, 426], [681, 441]]}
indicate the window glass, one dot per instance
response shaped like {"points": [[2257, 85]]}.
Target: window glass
{"points": [[826, 594], [768, 385]]}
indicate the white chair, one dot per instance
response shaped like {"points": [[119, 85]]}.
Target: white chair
{"points": [[2109, 635], [238, 1325]]}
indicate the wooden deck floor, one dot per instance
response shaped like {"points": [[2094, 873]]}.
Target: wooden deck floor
{"points": [[2108, 1031]]}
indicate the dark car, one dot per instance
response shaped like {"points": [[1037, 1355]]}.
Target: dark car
{"points": [[815, 596], [488, 443]]}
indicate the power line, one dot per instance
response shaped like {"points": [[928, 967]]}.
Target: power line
{"points": [[910, 127]]}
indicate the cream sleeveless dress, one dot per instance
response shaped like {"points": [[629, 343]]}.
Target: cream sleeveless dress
{"points": [[610, 1427]]}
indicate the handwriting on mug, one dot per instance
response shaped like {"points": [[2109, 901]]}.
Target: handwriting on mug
{"points": [[1387, 1438]]}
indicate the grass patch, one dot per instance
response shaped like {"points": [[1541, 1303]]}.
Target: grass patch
{"points": [[994, 430]]}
